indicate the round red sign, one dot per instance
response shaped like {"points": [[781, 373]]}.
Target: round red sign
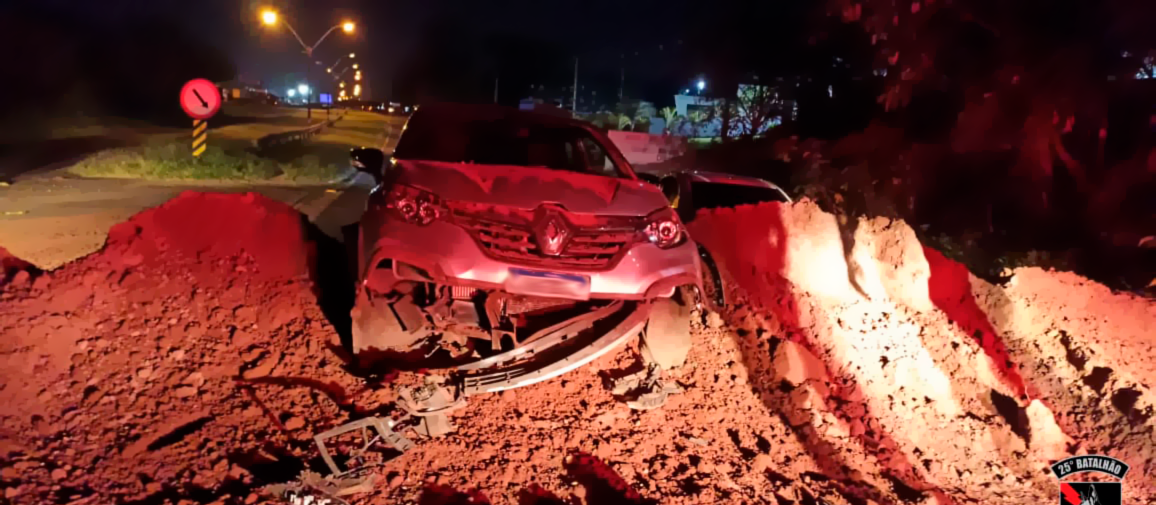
{"points": [[200, 99]]}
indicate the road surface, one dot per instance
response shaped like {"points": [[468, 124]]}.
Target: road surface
{"points": [[50, 219]]}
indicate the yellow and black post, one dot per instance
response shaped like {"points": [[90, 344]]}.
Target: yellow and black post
{"points": [[200, 134]]}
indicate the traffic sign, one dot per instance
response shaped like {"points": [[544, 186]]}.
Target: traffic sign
{"points": [[200, 99]]}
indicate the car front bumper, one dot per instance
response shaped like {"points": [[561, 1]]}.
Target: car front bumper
{"points": [[447, 254]]}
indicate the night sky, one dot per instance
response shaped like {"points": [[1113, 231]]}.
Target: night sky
{"points": [[664, 44]]}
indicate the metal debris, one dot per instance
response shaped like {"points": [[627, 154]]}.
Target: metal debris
{"points": [[426, 408], [646, 389], [382, 429], [430, 403], [311, 488]]}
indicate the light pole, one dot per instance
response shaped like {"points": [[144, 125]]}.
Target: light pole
{"points": [[330, 68], [270, 18]]}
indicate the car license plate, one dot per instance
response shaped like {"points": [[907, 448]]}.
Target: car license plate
{"points": [[548, 284]]}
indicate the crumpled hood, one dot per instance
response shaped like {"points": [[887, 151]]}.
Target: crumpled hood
{"points": [[527, 188]]}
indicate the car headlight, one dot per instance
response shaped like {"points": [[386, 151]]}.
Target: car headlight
{"points": [[664, 229], [414, 205]]}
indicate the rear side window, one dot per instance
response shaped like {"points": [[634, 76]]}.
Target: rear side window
{"points": [[709, 195]]}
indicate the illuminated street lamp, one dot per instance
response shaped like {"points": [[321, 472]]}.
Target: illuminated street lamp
{"points": [[701, 84], [357, 90], [270, 18], [342, 84], [292, 93], [303, 89]]}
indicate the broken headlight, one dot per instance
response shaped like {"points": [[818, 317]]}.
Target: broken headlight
{"points": [[414, 205], [664, 229]]}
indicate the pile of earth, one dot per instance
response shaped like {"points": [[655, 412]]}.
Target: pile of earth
{"points": [[189, 361]]}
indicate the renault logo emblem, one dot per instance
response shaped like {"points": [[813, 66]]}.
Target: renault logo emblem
{"points": [[551, 232]]}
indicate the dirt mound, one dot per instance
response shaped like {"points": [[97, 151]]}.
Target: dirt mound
{"points": [[195, 225], [168, 364], [11, 266], [177, 368], [909, 338]]}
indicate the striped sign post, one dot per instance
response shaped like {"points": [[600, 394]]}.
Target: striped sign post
{"points": [[200, 99], [200, 135]]}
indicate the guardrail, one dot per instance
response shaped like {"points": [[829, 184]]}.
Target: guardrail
{"points": [[276, 139]]}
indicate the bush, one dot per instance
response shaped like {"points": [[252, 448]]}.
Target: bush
{"points": [[172, 160]]}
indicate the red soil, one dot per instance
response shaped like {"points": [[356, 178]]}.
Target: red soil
{"points": [[189, 362]]}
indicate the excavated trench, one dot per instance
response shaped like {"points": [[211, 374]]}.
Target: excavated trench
{"points": [[192, 359]]}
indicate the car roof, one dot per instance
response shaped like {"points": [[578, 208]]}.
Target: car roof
{"points": [[459, 111], [738, 180]]}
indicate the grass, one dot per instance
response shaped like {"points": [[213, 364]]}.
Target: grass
{"points": [[231, 155]]}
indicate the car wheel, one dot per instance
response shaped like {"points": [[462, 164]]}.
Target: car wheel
{"points": [[713, 291], [386, 326], [666, 341]]}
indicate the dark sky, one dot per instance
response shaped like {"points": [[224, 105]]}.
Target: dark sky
{"points": [[670, 37]]}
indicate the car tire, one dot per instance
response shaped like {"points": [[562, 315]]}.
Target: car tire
{"points": [[713, 291], [667, 340], [385, 327]]}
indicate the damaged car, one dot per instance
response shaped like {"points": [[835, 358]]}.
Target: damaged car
{"points": [[517, 246]]}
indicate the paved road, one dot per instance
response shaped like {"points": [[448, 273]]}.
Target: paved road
{"points": [[50, 219]]}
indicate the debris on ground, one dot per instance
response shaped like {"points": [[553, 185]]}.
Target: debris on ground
{"points": [[646, 389]]}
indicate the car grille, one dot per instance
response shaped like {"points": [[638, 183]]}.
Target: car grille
{"points": [[502, 238]]}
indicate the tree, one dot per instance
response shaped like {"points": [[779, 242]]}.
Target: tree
{"points": [[640, 118], [624, 121], [669, 116], [756, 108], [1054, 58]]}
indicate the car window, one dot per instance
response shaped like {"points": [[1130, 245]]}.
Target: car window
{"points": [[597, 160], [712, 195], [505, 141]]}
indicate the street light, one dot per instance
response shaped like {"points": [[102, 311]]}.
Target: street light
{"points": [[357, 90], [303, 89], [270, 18], [355, 66], [292, 93], [334, 65], [701, 84]]}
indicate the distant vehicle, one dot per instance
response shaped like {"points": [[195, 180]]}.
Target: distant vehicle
{"points": [[520, 241]]}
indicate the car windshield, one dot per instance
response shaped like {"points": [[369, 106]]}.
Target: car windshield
{"points": [[504, 141]]}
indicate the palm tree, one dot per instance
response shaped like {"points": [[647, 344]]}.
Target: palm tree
{"points": [[670, 115], [625, 121], [639, 119]]}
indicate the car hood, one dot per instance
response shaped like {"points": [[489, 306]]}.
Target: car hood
{"points": [[529, 187]]}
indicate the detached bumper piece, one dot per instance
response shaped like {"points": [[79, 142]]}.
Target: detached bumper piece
{"points": [[555, 351]]}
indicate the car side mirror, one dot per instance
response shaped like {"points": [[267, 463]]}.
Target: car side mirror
{"points": [[368, 160]]}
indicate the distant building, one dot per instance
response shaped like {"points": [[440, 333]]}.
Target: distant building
{"points": [[700, 116], [240, 88]]}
